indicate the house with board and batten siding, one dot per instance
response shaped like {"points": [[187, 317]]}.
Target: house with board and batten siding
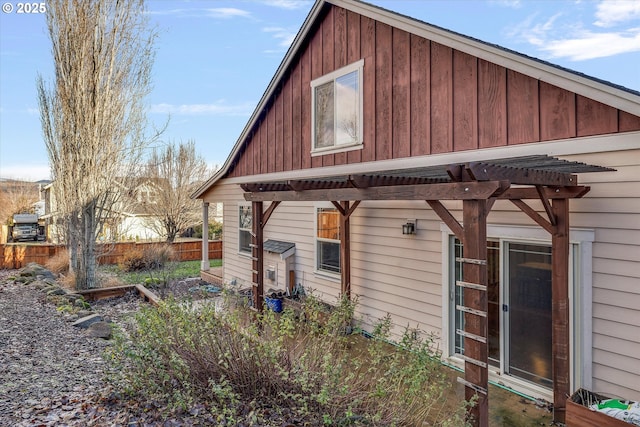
{"points": [[469, 191]]}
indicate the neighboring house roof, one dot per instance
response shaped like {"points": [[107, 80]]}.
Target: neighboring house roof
{"points": [[599, 90]]}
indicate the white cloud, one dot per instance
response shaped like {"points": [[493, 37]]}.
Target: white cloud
{"points": [[226, 12], [560, 37], [514, 4], [593, 45], [288, 4], [285, 36], [536, 34], [217, 109], [215, 12], [612, 12]]}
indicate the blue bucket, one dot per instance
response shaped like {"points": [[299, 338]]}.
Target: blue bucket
{"points": [[274, 304]]}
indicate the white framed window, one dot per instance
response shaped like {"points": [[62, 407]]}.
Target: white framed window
{"points": [[519, 306], [337, 110], [327, 240], [245, 220]]}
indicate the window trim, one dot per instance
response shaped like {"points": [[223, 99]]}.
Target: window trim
{"points": [[240, 251], [580, 299], [332, 76], [335, 276]]}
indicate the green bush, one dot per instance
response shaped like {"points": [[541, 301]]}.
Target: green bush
{"points": [[270, 368]]}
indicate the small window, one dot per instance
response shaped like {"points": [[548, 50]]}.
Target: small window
{"points": [[244, 229], [328, 240], [337, 109]]}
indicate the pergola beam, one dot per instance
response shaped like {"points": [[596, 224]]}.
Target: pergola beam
{"points": [[445, 191], [484, 171], [529, 193]]}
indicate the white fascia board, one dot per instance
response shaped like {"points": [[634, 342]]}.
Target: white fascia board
{"points": [[566, 147]]}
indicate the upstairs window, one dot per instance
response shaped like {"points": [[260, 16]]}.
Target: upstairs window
{"points": [[244, 229], [337, 110]]}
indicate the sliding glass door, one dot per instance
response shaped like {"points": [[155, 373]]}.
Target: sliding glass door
{"points": [[528, 312], [519, 308]]}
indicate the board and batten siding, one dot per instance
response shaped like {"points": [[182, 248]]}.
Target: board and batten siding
{"points": [[420, 97]]}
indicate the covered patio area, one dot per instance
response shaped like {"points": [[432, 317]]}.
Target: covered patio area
{"points": [[478, 185]]}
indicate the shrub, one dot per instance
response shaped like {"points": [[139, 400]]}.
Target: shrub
{"points": [[59, 263], [132, 260], [151, 257], [158, 256], [67, 281], [285, 366]]}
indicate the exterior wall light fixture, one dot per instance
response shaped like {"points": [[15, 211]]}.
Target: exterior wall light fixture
{"points": [[409, 227]]}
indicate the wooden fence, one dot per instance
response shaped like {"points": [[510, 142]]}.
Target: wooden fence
{"points": [[18, 255]]}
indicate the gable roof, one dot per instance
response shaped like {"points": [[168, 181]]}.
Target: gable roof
{"points": [[599, 90]]}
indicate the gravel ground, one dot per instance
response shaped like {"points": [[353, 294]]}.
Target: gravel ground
{"points": [[52, 372]]}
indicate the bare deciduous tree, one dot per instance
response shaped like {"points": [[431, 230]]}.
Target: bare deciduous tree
{"points": [[93, 116], [175, 172], [17, 197]]}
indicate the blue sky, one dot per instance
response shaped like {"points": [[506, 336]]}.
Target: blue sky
{"points": [[215, 58]]}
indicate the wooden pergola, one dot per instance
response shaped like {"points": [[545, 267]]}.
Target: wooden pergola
{"points": [[478, 185]]}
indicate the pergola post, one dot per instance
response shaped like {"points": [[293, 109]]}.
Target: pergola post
{"points": [[476, 375], [560, 308], [345, 250], [204, 264], [257, 250]]}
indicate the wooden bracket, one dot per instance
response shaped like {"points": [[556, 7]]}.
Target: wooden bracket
{"points": [[533, 214], [447, 218], [267, 214], [546, 204]]}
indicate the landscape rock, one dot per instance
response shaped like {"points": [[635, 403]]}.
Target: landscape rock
{"points": [[34, 270], [56, 291], [87, 321], [100, 329], [40, 284]]}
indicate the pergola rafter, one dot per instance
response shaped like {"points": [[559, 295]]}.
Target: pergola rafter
{"points": [[478, 185]]}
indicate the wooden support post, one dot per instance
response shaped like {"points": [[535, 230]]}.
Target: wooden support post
{"points": [[560, 308], [257, 252], [475, 248], [204, 263], [345, 250]]}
